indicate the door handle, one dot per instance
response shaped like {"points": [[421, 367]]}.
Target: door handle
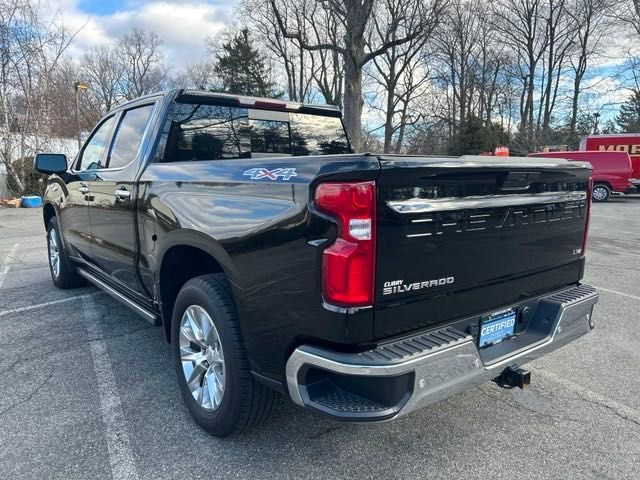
{"points": [[122, 194], [83, 189]]}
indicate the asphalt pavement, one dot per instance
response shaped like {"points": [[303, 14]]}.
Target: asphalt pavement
{"points": [[87, 390]]}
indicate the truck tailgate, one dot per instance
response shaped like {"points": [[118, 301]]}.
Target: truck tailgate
{"points": [[461, 236]]}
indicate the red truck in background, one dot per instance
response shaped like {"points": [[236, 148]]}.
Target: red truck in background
{"points": [[617, 142], [612, 170]]}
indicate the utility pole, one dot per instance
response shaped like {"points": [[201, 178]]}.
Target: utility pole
{"points": [[77, 87]]}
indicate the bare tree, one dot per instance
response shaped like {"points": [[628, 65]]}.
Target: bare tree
{"points": [[591, 21], [140, 52], [353, 16], [289, 56], [560, 33], [626, 12], [470, 64], [199, 75], [400, 70], [31, 50], [104, 71], [521, 24]]}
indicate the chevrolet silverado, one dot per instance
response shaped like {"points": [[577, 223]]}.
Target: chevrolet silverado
{"points": [[276, 260]]}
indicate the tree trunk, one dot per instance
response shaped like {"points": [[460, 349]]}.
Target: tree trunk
{"points": [[391, 98], [353, 98]]}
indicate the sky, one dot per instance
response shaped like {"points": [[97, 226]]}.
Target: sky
{"points": [[183, 26]]}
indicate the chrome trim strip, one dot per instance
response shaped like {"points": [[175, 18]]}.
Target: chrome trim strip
{"points": [[348, 310], [143, 312], [476, 161], [425, 205], [422, 220]]}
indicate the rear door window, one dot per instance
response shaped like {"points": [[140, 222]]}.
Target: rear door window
{"points": [[128, 138]]}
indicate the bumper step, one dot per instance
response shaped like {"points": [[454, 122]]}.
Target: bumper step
{"points": [[405, 349], [400, 376], [333, 398]]}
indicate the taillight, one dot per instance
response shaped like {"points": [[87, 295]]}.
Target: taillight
{"points": [[587, 214], [348, 265]]}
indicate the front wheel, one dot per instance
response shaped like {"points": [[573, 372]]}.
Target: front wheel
{"points": [[601, 193], [62, 272], [211, 362]]}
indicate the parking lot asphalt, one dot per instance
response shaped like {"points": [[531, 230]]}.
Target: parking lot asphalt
{"points": [[87, 390]]}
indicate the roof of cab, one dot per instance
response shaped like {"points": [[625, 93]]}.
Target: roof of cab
{"points": [[201, 96], [193, 96]]}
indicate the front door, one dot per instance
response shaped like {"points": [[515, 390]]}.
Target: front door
{"points": [[74, 212], [113, 200]]}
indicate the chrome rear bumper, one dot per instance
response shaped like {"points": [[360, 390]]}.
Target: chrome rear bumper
{"points": [[399, 377]]}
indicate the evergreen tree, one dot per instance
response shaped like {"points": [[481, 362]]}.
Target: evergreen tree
{"points": [[629, 117], [474, 137], [242, 70]]}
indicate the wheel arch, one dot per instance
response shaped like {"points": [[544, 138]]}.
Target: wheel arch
{"points": [[606, 183], [48, 212], [187, 254]]}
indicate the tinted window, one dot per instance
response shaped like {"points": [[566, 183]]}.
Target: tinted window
{"points": [[128, 137], [210, 132], [94, 154], [268, 136], [207, 132], [317, 135]]}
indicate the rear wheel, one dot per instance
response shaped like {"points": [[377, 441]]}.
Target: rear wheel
{"points": [[601, 193], [62, 271], [211, 362]]}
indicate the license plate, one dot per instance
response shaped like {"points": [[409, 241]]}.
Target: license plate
{"points": [[497, 327]]}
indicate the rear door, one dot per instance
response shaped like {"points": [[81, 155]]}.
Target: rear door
{"points": [[113, 194], [460, 236]]}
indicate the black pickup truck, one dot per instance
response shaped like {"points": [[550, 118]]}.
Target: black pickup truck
{"points": [[276, 260]]}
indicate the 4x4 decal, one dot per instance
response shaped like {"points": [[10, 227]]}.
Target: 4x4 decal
{"points": [[282, 173]]}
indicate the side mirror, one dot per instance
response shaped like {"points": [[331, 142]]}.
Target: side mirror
{"points": [[51, 163]]}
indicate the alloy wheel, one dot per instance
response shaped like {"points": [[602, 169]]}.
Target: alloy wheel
{"points": [[599, 193], [202, 357], [54, 253]]}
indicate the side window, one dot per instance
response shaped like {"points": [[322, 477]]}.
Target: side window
{"points": [[206, 132], [128, 138], [94, 152]]}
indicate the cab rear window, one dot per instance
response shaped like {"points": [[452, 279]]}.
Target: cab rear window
{"points": [[196, 132]]}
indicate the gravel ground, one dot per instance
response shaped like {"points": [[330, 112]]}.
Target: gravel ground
{"points": [[87, 390]]}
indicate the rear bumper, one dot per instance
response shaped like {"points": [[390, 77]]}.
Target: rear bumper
{"points": [[402, 376]]}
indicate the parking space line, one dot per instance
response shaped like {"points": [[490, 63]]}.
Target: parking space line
{"points": [[613, 230], [622, 254], [628, 295], [590, 396], [6, 265], [45, 304], [120, 454]]}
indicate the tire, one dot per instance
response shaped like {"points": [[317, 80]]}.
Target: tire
{"points": [[241, 402], [600, 193], [62, 271]]}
